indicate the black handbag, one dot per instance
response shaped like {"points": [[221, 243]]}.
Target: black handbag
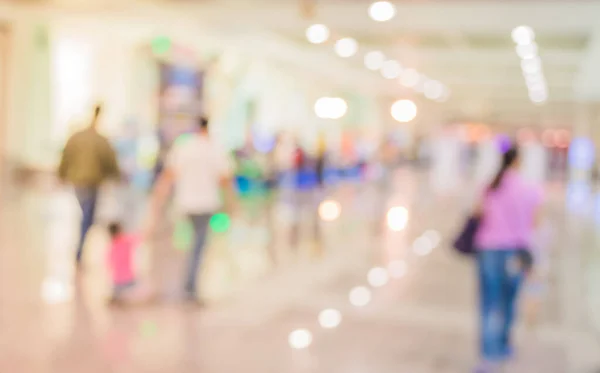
{"points": [[526, 259], [465, 242]]}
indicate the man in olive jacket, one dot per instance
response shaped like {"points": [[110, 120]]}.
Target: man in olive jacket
{"points": [[87, 161]]}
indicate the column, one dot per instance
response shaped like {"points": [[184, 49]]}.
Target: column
{"points": [[582, 153]]}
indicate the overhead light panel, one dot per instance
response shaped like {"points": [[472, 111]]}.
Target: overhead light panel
{"points": [[527, 51], [404, 111], [374, 60], [410, 78], [391, 69], [382, 11], [531, 66], [317, 34], [433, 89], [346, 47], [523, 35], [330, 107]]}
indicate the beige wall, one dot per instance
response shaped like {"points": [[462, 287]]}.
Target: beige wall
{"points": [[4, 56]]}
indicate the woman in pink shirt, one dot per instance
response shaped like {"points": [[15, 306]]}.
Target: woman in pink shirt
{"points": [[508, 212]]}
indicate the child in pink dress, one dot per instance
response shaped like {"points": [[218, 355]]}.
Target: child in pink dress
{"points": [[121, 263]]}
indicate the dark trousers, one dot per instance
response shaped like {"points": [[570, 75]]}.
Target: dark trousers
{"points": [[500, 278], [320, 170], [200, 223], [87, 198]]}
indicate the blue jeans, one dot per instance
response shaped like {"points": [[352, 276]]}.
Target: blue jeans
{"points": [[500, 278], [87, 197], [200, 223]]}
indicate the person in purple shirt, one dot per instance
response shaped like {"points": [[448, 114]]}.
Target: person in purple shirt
{"points": [[508, 211]]}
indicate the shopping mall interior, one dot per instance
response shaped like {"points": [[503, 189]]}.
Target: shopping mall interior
{"points": [[361, 136]]}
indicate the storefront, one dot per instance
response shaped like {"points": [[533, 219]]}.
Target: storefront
{"points": [[63, 65]]}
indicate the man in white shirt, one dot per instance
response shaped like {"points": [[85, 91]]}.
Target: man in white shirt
{"points": [[198, 170]]}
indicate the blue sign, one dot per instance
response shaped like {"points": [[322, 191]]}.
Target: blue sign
{"points": [[581, 153]]}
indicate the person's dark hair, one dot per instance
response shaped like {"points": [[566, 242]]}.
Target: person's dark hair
{"points": [[97, 111], [508, 159], [114, 229], [203, 123]]}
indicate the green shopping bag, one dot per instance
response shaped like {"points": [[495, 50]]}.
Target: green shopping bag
{"points": [[183, 234]]}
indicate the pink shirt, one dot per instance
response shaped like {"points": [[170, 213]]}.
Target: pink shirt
{"points": [[120, 258], [508, 215]]}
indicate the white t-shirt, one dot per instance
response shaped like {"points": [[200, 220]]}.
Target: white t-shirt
{"points": [[198, 165]]}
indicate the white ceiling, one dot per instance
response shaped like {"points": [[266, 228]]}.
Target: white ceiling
{"points": [[464, 44]]}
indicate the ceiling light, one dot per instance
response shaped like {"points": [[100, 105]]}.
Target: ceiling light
{"points": [[409, 78], [317, 34], [527, 51], [523, 35], [330, 108], [433, 89], [374, 60], [531, 66], [404, 111], [346, 47], [525, 135], [391, 69], [382, 11]]}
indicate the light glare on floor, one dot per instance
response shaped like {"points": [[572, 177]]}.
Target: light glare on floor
{"points": [[397, 268], [433, 236], [300, 339], [330, 318], [397, 217], [378, 277], [360, 296], [55, 291], [329, 210], [422, 246]]}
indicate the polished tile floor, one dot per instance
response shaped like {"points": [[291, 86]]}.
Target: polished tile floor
{"points": [[406, 303]]}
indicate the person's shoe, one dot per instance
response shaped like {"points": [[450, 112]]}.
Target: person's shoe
{"points": [[195, 302], [79, 265], [509, 353], [116, 302], [192, 299]]}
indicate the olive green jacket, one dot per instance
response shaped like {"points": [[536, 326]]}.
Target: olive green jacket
{"points": [[88, 159]]}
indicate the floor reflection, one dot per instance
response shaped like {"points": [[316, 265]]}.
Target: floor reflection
{"points": [[291, 284]]}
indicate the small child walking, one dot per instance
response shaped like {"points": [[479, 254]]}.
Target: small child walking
{"points": [[121, 264]]}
